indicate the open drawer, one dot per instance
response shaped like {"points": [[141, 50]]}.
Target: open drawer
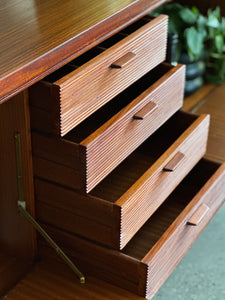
{"points": [[95, 147], [68, 96], [117, 207], [149, 258]]}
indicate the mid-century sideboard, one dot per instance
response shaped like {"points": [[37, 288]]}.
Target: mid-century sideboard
{"points": [[93, 143]]}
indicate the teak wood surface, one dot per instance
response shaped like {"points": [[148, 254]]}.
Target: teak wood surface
{"points": [[214, 104], [71, 98], [148, 259], [17, 237], [38, 37], [50, 280], [128, 196], [93, 149], [34, 43]]}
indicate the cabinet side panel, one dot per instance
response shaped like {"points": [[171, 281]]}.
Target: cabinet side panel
{"points": [[17, 237]]}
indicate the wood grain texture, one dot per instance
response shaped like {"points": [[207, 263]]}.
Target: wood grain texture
{"points": [[12, 270], [145, 263], [145, 111], [180, 236], [174, 162], [51, 280], [190, 102], [58, 32], [70, 93], [121, 135], [78, 213], [17, 238], [123, 61], [198, 215], [133, 191], [214, 104], [104, 144], [151, 189]]}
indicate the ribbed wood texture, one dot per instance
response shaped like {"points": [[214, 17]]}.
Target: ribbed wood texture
{"points": [[77, 102], [147, 260], [121, 135], [162, 260], [101, 150], [58, 31], [150, 190], [136, 188]]}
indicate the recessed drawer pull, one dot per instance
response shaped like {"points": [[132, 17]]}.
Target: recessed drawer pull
{"points": [[121, 62], [145, 111], [174, 162], [198, 215]]}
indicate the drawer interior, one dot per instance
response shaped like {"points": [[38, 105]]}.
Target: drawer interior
{"points": [[159, 222], [128, 172], [92, 123], [59, 73], [95, 51]]}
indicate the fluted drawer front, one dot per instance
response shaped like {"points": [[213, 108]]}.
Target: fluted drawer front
{"points": [[105, 139], [65, 100], [132, 192], [148, 259], [120, 136]]}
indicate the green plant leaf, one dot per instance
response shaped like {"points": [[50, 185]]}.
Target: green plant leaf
{"points": [[195, 11], [211, 33], [219, 43], [201, 22], [223, 25], [217, 56], [217, 13], [172, 10], [213, 21], [194, 42], [188, 16]]}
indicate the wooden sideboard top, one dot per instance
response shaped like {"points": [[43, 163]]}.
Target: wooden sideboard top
{"points": [[38, 36]]}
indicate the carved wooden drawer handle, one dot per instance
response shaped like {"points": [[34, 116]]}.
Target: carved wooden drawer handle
{"points": [[174, 162], [198, 215], [121, 62], [145, 111]]}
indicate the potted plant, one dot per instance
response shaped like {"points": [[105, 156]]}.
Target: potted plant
{"points": [[215, 44], [194, 39]]}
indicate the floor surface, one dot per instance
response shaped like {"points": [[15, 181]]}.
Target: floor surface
{"points": [[201, 273]]}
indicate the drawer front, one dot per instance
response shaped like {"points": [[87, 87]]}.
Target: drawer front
{"points": [[148, 193], [143, 266], [88, 161], [81, 92], [122, 134], [91, 86], [132, 203], [177, 240]]}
